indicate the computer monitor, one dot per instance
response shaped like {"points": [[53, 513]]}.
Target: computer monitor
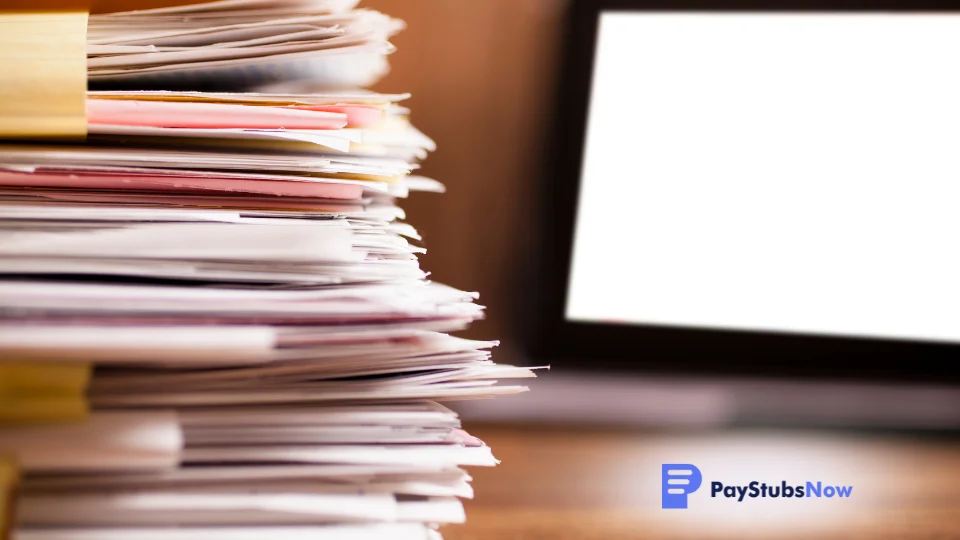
{"points": [[755, 188]]}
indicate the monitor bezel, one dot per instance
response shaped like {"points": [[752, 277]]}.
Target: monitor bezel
{"points": [[551, 338]]}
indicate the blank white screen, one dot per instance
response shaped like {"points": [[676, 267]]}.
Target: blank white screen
{"points": [[783, 172]]}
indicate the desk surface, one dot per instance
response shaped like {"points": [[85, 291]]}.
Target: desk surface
{"points": [[563, 484]]}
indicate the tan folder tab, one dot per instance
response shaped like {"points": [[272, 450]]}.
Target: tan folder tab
{"points": [[42, 392], [43, 74], [9, 482]]}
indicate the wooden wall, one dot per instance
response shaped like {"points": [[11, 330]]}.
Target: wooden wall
{"points": [[482, 75]]}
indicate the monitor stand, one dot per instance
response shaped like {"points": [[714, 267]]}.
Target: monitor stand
{"points": [[657, 401]]}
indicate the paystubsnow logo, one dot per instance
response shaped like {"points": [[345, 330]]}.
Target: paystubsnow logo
{"points": [[679, 480]]}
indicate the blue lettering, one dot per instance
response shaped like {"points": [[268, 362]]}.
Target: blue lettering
{"points": [[814, 491], [844, 491]]}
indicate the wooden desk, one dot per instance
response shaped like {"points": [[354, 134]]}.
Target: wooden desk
{"points": [[562, 484]]}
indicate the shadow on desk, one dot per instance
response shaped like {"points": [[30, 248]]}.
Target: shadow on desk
{"points": [[578, 483]]}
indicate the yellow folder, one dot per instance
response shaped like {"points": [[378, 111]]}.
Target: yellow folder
{"points": [[32, 392]]}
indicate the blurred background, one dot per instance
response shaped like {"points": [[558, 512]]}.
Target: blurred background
{"points": [[482, 76], [484, 79], [582, 451]]}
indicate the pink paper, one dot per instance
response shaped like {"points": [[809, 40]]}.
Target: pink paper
{"points": [[188, 114], [170, 182], [308, 204], [358, 116]]}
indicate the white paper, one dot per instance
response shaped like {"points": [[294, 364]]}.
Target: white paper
{"points": [[208, 241], [105, 441]]}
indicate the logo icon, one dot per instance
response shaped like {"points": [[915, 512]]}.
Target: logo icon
{"points": [[677, 481]]}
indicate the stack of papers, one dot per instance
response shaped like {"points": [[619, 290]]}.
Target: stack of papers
{"points": [[229, 43], [213, 322]]}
